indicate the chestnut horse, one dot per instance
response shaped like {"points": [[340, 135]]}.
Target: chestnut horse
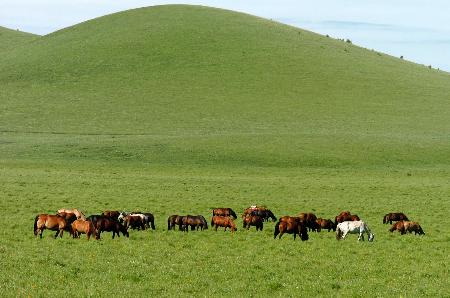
{"points": [[345, 216], [310, 221], [390, 217], [407, 226], [253, 220], [224, 212], [81, 226], [77, 212], [50, 222], [291, 225], [326, 224], [223, 221]]}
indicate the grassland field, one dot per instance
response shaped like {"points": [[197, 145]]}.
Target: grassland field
{"points": [[181, 109]]}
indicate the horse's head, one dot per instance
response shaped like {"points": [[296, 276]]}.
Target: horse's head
{"points": [[371, 237], [121, 216]]}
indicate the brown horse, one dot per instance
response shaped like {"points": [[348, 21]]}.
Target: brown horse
{"points": [[310, 221], [70, 218], [223, 221], [345, 216], [407, 226], [253, 220], [326, 224], [112, 214], [195, 222], [50, 222], [263, 212], [390, 217], [291, 225], [224, 212], [134, 222], [174, 220], [81, 226], [77, 212], [107, 224]]}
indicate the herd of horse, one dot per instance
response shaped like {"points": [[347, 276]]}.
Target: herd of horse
{"points": [[76, 223]]}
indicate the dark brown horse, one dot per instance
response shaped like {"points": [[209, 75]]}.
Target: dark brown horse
{"points": [[134, 222], [174, 220], [50, 222], [223, 221], [81, 226], [195, 222], [291, 225], [326, 224], [112, 214], [262, 212], [253, 220], [309, 219], [107, 224], [390, 217], [224, 212], [407, 226], [345, 216]]}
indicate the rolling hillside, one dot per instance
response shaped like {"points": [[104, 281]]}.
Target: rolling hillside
{"points": [[12, 39], [196, 71]]}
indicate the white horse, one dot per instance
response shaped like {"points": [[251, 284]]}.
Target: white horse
{"points": [[353, 227]]}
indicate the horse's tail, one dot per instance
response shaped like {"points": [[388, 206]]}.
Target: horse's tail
{"points": [[212, 222], [233, 213], [277, 230], [169, 225], [303, 233], [385, 219], [35, 224], [338, 233]]}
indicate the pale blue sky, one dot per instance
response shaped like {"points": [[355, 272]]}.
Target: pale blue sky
{"points": [[419, 30]]}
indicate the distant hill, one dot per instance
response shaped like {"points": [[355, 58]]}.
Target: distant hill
{"points": [[10, 39], [192, 70]]}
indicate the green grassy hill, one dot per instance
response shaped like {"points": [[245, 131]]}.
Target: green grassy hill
{"points": [[11, 39], [178, 109], [184, 70]]}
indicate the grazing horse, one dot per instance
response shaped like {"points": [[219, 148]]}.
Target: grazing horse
{"points": [[174, 220], [147, 218], [390, 217], [310, 221], [81, 226], [263, 212], [407, 226], [253, 220], [69, 218], [50, 222], [134, 221], [353, 227], [224, 212], [112, 214], [345, 216], [107, 224], [326, 224], [291, 225], [195, 222], [77, 212], [223, 221]]}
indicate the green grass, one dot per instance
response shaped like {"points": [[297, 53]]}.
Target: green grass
{"points": [[178, 109], [13, 39]]}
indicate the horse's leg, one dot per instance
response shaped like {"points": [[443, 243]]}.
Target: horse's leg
{"points": [[57, 233]]}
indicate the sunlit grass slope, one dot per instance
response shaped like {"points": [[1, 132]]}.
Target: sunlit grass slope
{"points": [[195, 71], [11, 39]]}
